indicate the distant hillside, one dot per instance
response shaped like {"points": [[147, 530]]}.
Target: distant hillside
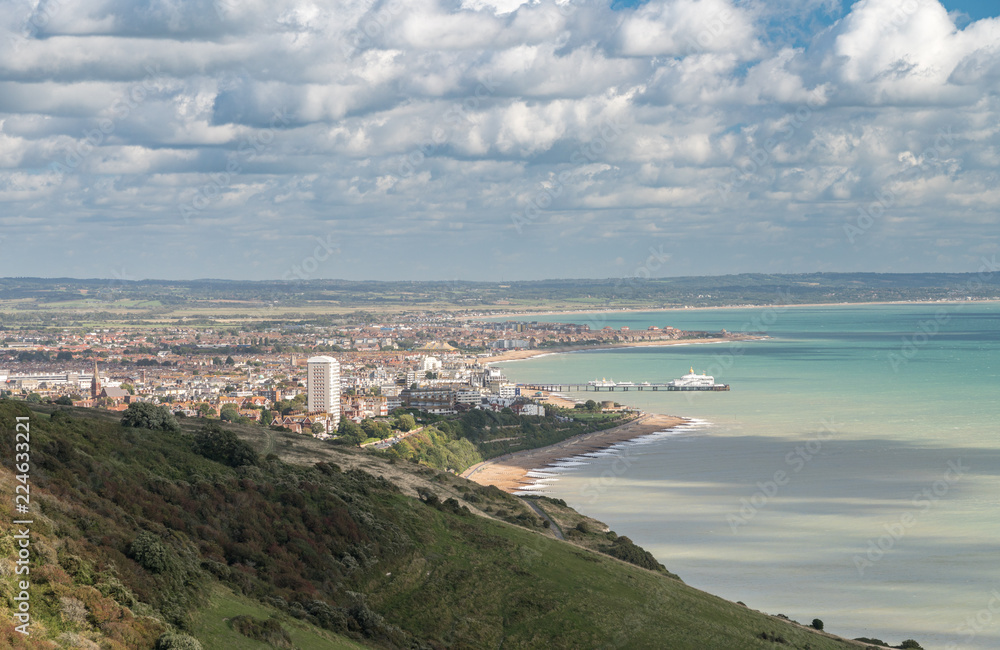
{"points": [[139, 541], [41, 300]]}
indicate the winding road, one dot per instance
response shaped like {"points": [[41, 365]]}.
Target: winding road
{"points": [[553, 526]]}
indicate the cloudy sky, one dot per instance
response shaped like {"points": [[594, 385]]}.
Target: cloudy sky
{"points": [[496, 139]]}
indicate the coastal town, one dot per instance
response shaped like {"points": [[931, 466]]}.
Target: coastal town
{"points": [[305, 378]]}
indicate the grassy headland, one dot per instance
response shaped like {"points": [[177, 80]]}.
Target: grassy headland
{"points": [[137, 536]]}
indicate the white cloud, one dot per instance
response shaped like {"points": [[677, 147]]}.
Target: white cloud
{"points": [[687, 27], [441, 119]]}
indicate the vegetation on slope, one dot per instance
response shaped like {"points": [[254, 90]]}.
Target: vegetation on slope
{"points": [[136, 534], [457, 443]]}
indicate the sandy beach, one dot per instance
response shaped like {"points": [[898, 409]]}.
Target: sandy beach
{"points": [[558, 400], [515, 355], [509, 473]]}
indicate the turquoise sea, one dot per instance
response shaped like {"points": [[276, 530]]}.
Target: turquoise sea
{"points": [[852, 474]]}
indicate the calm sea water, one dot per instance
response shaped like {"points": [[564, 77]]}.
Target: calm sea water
{"points": [[852, 473]]}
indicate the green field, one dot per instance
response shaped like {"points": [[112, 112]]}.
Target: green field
{"points": [[82, 303]]}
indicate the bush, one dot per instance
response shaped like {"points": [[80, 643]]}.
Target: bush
{"points": [[624, 549], [223, 446], [150, 552], [229, 413], [817, 624], [452, 505], [269, 631], [427, 496], [350, 432], [142, 415], [910, 644], [176, 641], [114, 588]]}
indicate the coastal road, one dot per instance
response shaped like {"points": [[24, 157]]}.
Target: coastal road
{"points": [[553, 526]]}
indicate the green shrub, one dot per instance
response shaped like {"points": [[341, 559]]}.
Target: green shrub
{"points": [[177, 641], [623, 549], [453, 506], [114, 588], [223, 446], [142, 415], [269, 631], [817, 624], [77, 567], [427, 496], [150, 552]]}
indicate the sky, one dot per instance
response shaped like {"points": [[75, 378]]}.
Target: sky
{"points": [[497, 139]]}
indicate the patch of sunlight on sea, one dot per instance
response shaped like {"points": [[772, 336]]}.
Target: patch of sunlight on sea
{"points": [[829, 482]]}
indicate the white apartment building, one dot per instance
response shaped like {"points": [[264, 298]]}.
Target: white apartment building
{"points": [[470, 396], [508, 391], [323, 389]]}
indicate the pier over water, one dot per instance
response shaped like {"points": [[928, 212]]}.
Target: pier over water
{"points": [[558, 388]]}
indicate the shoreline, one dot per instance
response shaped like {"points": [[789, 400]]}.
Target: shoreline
{"points": [[625, 310], [520, 355], [510, 472]]}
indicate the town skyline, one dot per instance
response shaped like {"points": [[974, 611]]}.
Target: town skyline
{"points": [[303, 379]]}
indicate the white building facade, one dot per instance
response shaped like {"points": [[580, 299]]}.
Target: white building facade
{"points": [[323, 389]]}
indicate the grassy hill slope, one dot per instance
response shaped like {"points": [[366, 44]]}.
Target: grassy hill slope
{"points": [[136, 535]]}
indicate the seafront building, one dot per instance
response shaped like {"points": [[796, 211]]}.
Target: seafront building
{"points": [[279, 374], [323, 389]]}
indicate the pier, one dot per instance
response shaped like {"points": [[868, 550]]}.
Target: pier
{"points": [[559, 388]]}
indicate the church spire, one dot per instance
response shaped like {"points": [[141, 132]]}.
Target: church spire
{"points": [[95, 383]]}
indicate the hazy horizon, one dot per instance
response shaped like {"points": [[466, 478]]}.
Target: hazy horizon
{"points": [[986, 266]]}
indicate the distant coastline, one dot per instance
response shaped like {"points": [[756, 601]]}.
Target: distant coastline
{"points": [[626, 310]]}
